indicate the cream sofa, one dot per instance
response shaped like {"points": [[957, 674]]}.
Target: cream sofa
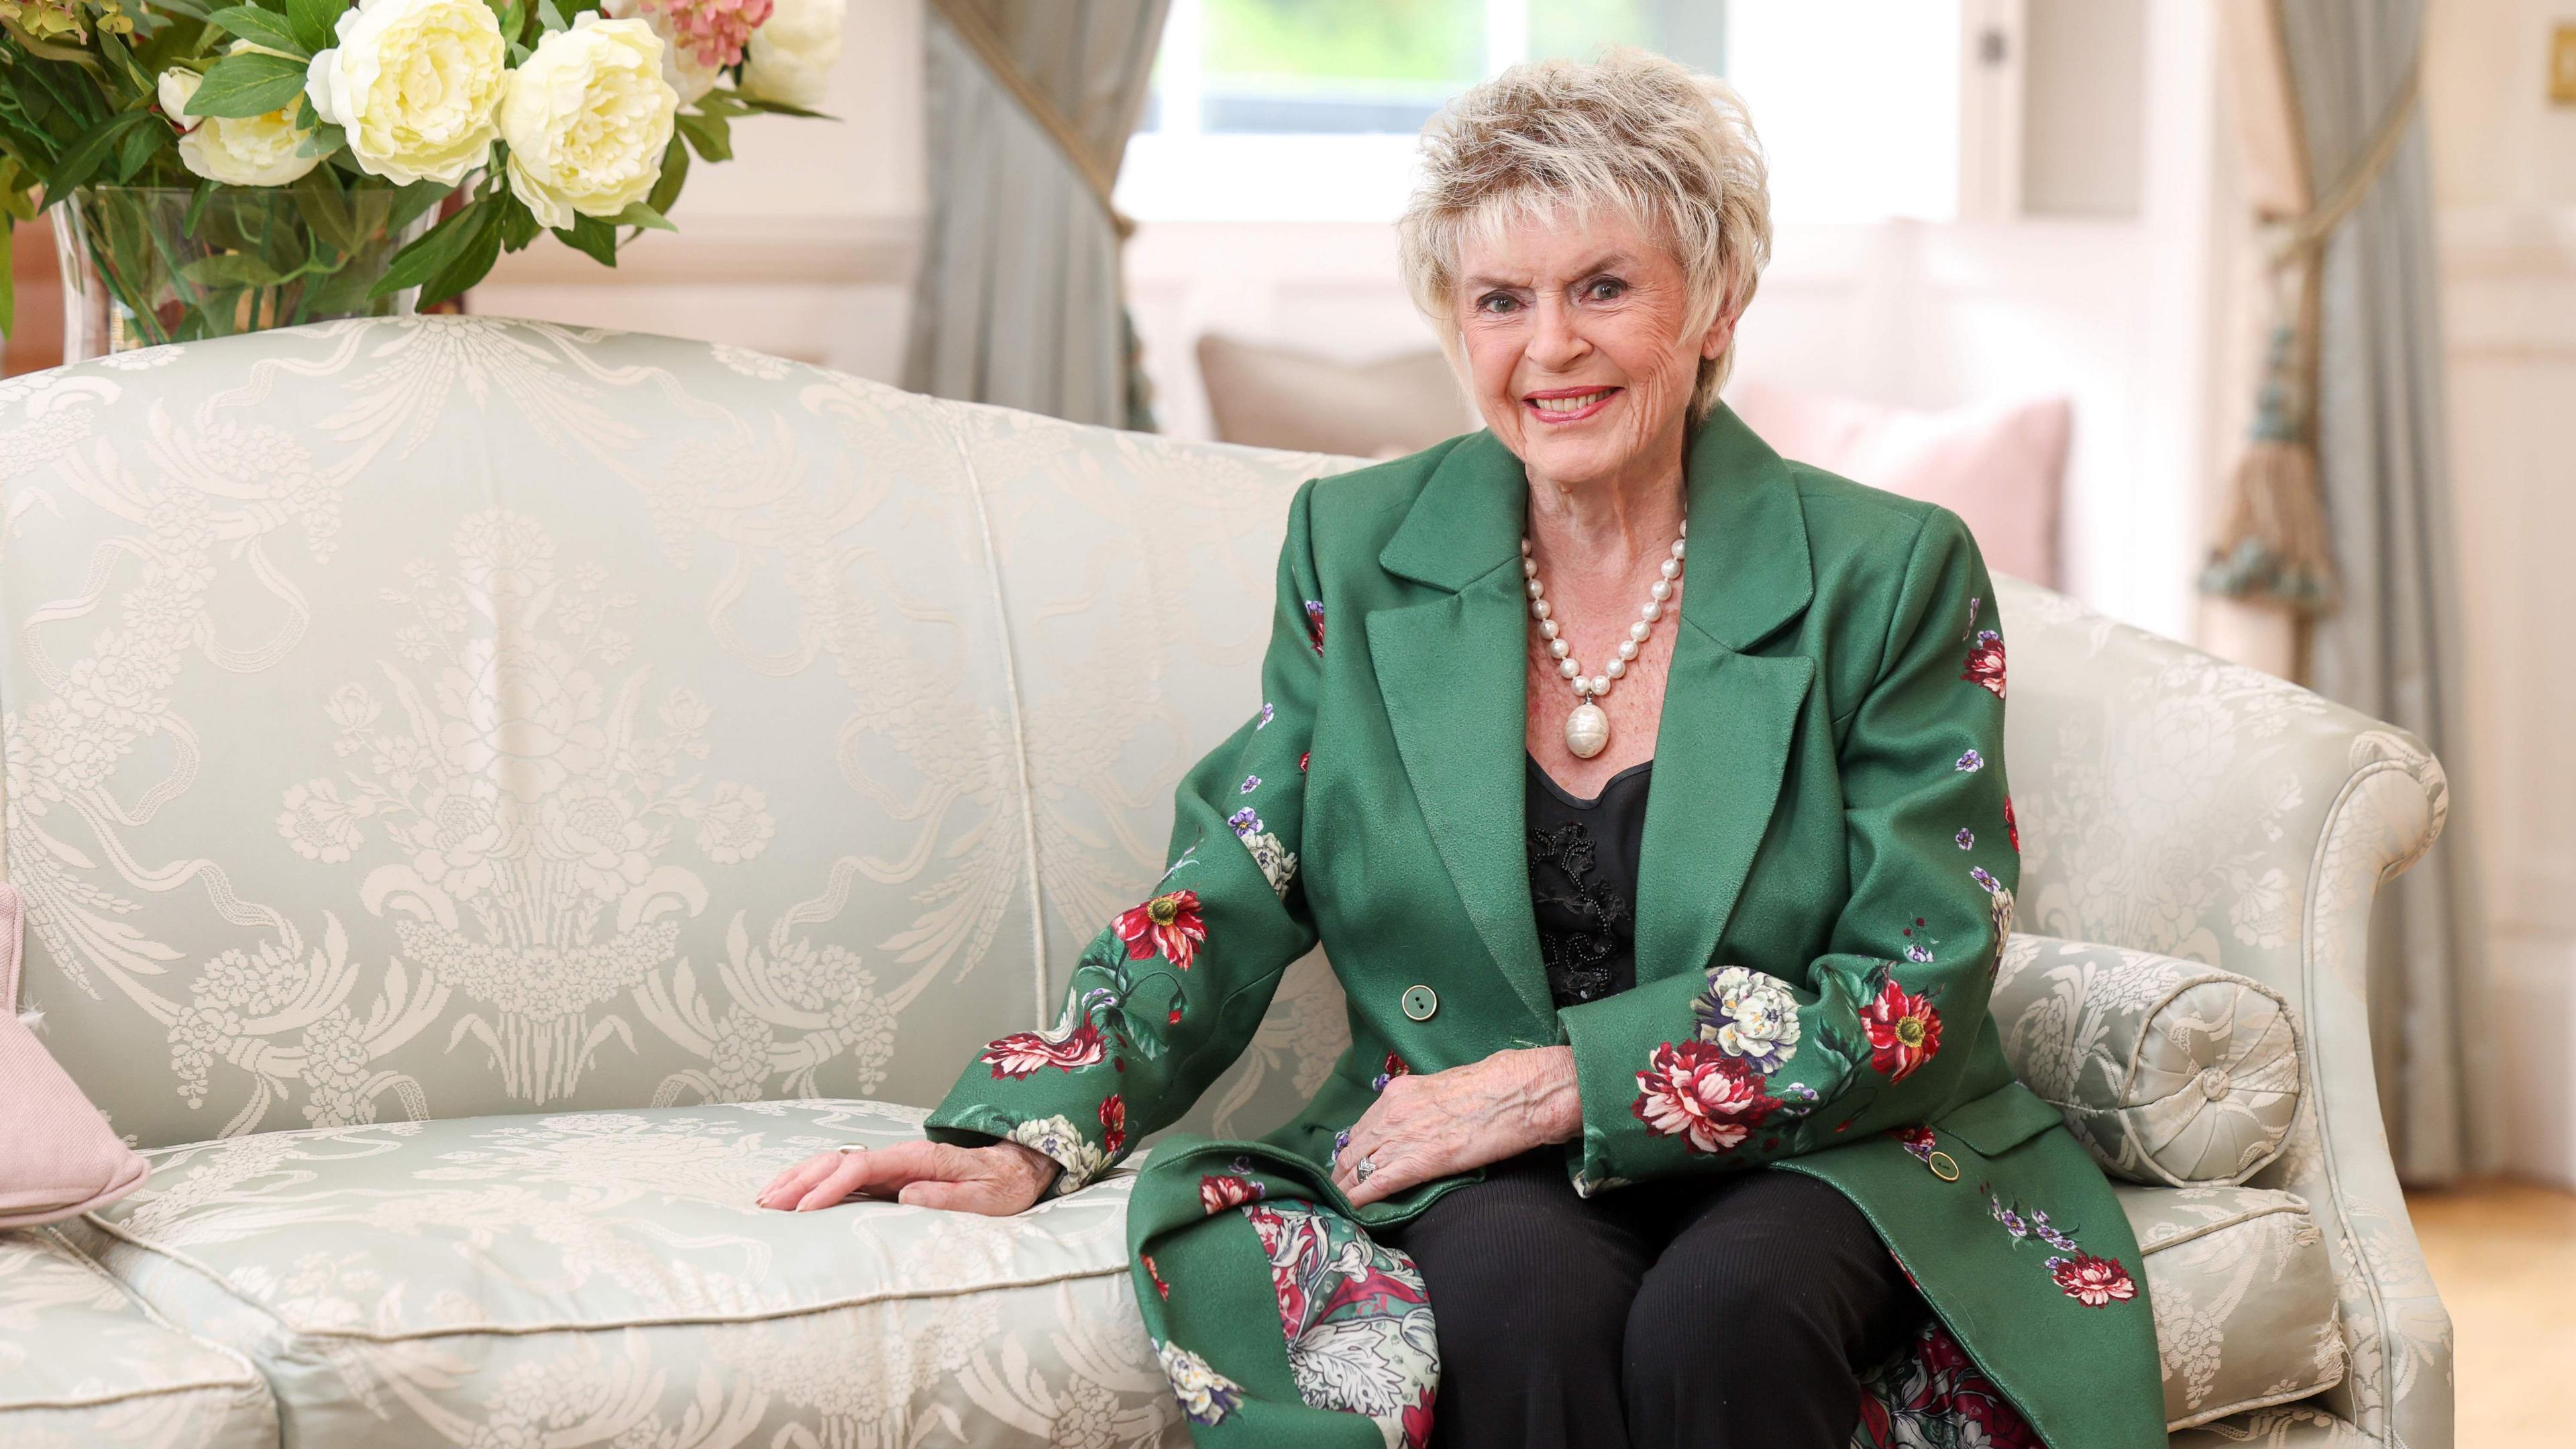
{"points": [[488, 794]]}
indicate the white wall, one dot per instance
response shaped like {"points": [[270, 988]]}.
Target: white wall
{"points": [[802, 245], [2505, 172]]}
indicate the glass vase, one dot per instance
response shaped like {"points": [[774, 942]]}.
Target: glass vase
{"points": [[144, 265]]}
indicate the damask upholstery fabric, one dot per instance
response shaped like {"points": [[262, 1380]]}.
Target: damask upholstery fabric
{"points": [[84, 1364], [2244, 1297], [2168, 1071], [448, 717], [356, 680], [2175, 803], [606, 1278]]}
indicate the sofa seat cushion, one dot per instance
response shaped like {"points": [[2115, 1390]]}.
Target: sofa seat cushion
{"points": [[82, 1363], [606, 1277], [2244, 1297]]}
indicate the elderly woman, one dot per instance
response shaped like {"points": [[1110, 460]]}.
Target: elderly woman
{"points": [[1665, 872]]}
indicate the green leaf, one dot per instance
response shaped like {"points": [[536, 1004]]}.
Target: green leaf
{"points": [[140, 143], [410, 202], [641, 214], [551, 16], [250, 84], [314, 22], [230, 269], [593, 237], [8, 283], [781, 108], [263, 27], [471, 261], [421, 260], [86, 155], [518, 224], [710, 136], [325, 208], [513, 16], [322, 141], [675, 173]]}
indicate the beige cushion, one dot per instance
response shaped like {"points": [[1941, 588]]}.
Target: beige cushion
{"points": [[2244, 1297], [605, 1279], [83, 1365], [1278, 397], [2000, 466], [2169, 1071]]}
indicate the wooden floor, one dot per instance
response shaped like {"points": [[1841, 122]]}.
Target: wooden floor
{"points": [[2504, 1257]]}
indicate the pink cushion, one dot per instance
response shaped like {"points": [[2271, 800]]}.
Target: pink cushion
{"points": [[58, 1156], [1999, 466]]}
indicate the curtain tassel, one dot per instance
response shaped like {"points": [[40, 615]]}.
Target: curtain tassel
{"points": [[2275, 547]]}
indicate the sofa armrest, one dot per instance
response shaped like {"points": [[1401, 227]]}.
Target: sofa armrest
{"points": [[2176, 803]]}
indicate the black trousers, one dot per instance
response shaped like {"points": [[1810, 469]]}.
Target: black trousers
{"points": [[1720, 1313]]}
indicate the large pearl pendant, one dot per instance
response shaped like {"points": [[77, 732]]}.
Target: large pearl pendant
{"points": [[1587, 730]]}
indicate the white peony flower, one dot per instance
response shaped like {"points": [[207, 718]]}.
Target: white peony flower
{"points": [[791, 55], [688, 75], [1751, 1015], [415, 83], [587, 117], [235, 150], [1058, 1138]]}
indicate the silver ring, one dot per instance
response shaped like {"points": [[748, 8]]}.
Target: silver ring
{"points": [[850, 1147], [1361, 1172]]}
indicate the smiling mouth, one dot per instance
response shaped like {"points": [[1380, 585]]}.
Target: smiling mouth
{"points": [[1568, 405]]}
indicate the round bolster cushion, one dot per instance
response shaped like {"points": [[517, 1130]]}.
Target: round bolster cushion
{"points": [[2169, 1071]]}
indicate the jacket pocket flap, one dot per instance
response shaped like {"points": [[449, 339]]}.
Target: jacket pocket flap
{"points": [[2001, 1120]]}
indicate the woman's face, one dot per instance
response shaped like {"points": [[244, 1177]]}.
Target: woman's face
{"points": [[1574, 342]]}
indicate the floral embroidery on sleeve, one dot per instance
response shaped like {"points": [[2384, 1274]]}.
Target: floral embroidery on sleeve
{"points": [[1315, 623], [1694, 1091], [1168, 926], [1058, 1138], [1278, 863], [1113, 1123], [1904, 1031], [1747, 1014], [1073, 1043], [1986, 663]]}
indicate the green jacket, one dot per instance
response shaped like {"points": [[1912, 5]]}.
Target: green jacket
{"points": [[1825, 884]]}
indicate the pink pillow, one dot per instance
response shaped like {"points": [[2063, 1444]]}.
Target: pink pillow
{"points": [[1999, 466], [59, 1157]]}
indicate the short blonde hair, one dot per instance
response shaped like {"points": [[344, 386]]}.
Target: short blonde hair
{"points": [[1671, 148]]}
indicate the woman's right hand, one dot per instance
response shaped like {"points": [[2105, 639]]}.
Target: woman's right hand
{"points": [[997, 1181]]}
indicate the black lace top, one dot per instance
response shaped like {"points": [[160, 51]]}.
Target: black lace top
{"points": [[1583, 881]]}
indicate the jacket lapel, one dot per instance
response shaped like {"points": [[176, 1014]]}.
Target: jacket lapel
{"points": [[1450, 672], [1722, 747]]}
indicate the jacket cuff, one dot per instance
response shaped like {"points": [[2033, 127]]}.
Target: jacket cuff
{"points": [[1616, 1039], [1055, 1137]]}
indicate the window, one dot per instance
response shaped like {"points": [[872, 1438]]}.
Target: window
{"points": [[1277, 110]]}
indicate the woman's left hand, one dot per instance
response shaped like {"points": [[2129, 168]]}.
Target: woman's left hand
{"points": [[1429, 1125]]}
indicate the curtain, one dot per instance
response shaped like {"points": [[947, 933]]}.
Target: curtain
{"points": [[2392, 647], [1020, 299]]}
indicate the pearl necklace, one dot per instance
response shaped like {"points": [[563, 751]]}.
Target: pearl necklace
{"points": [[1587, 729]]}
